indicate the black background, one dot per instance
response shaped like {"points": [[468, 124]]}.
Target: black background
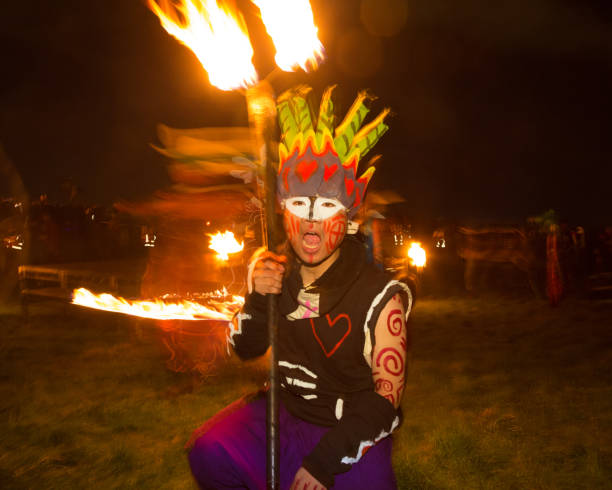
{"points": [[501, 109]]}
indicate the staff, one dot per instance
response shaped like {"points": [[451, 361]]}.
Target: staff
{"points": [[219, 38], [261, 105]]}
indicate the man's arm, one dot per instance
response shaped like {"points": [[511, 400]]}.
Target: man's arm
{"points": [[248, 332], [389, 358]]}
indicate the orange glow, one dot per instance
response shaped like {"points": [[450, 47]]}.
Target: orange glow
{"points": [[217, 36], [417, 255], [224, 243], [220, 306], [291, 26]]}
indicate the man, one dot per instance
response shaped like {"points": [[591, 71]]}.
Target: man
{"points": [[342, 333]]}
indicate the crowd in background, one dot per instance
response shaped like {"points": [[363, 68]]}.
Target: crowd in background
{"points": [[41, 232], [45, 233]]}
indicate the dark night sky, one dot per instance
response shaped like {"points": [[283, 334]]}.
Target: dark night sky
{"points": [[502, 109]]}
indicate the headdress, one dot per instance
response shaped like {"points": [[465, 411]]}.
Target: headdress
{"points": [[315, 159]]}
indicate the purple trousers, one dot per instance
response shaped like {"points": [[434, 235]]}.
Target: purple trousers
{"points": [[232, 453]]}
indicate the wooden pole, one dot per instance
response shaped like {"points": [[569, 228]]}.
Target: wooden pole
{"points": [[261, 104]]}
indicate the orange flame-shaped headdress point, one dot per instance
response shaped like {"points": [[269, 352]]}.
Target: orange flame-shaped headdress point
{"points": [[317, 160]]}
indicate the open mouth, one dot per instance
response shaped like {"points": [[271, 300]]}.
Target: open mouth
{"points": [[311, 241]]}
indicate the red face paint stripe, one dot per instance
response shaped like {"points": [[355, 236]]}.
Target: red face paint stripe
{"points": [[337, 228], [291, 224], [296, 224]]}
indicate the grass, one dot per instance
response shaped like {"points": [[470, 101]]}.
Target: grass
{"points": [[508, 394], [502, 393]]}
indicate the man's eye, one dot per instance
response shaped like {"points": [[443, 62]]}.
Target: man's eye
{"points": [[298, 203], [328, 205]]}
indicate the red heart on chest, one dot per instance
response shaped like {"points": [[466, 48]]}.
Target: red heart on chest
{"points": [[340, 331]]}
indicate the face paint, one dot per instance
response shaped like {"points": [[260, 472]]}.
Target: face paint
{"points": [[313, 241], [335, 229], [292, 225], [312, 208]]}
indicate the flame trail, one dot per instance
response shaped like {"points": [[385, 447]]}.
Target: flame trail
{"points": [[220, 306]]}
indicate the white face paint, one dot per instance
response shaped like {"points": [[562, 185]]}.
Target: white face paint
{"points": [[312, 208]]}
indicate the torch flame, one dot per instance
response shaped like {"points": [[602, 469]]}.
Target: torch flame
{"points": [[217, 36], [291, 26], [222, 306], [224, 243], [417, 255]]}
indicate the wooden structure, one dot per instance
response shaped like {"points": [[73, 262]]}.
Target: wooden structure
{"points": [[57, 281]]}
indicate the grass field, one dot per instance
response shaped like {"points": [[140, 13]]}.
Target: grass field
{"points": [[501, 393]]}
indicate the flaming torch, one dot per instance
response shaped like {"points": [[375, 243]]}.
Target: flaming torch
{"points": [[417, 255], [224, 244], [217, 35]]}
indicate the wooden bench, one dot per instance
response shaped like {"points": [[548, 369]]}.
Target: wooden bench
{"points": [[600, 285]]}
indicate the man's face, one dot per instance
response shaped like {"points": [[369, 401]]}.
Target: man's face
{"points": [[315, 227]]}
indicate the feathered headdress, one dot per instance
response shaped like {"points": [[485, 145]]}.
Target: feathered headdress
{"points": [[315, 159]]}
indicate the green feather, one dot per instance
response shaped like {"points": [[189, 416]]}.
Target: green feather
{"points": [[349, 127], [303, 115], [287, 123], [325, 121], [369, 135], [296, 121], [368, 142]]}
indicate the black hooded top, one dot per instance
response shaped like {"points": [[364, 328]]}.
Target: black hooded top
{"points": [[325, 343]]}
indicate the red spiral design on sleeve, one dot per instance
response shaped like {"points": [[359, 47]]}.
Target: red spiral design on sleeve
{"points": [[392, 361], [395, 322], [384, 385]]}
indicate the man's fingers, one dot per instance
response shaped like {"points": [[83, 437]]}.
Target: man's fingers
{"points": [[271, 255], [265, 274], [268, 273], [271, 265], [271, 261], [268, 283], [271, 282]]}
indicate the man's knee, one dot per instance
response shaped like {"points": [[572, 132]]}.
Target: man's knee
{"points": [[208, 461]]}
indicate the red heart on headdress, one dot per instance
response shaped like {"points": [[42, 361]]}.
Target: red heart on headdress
{"points": [[329, 171], [343, 332], [305, 169]]}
